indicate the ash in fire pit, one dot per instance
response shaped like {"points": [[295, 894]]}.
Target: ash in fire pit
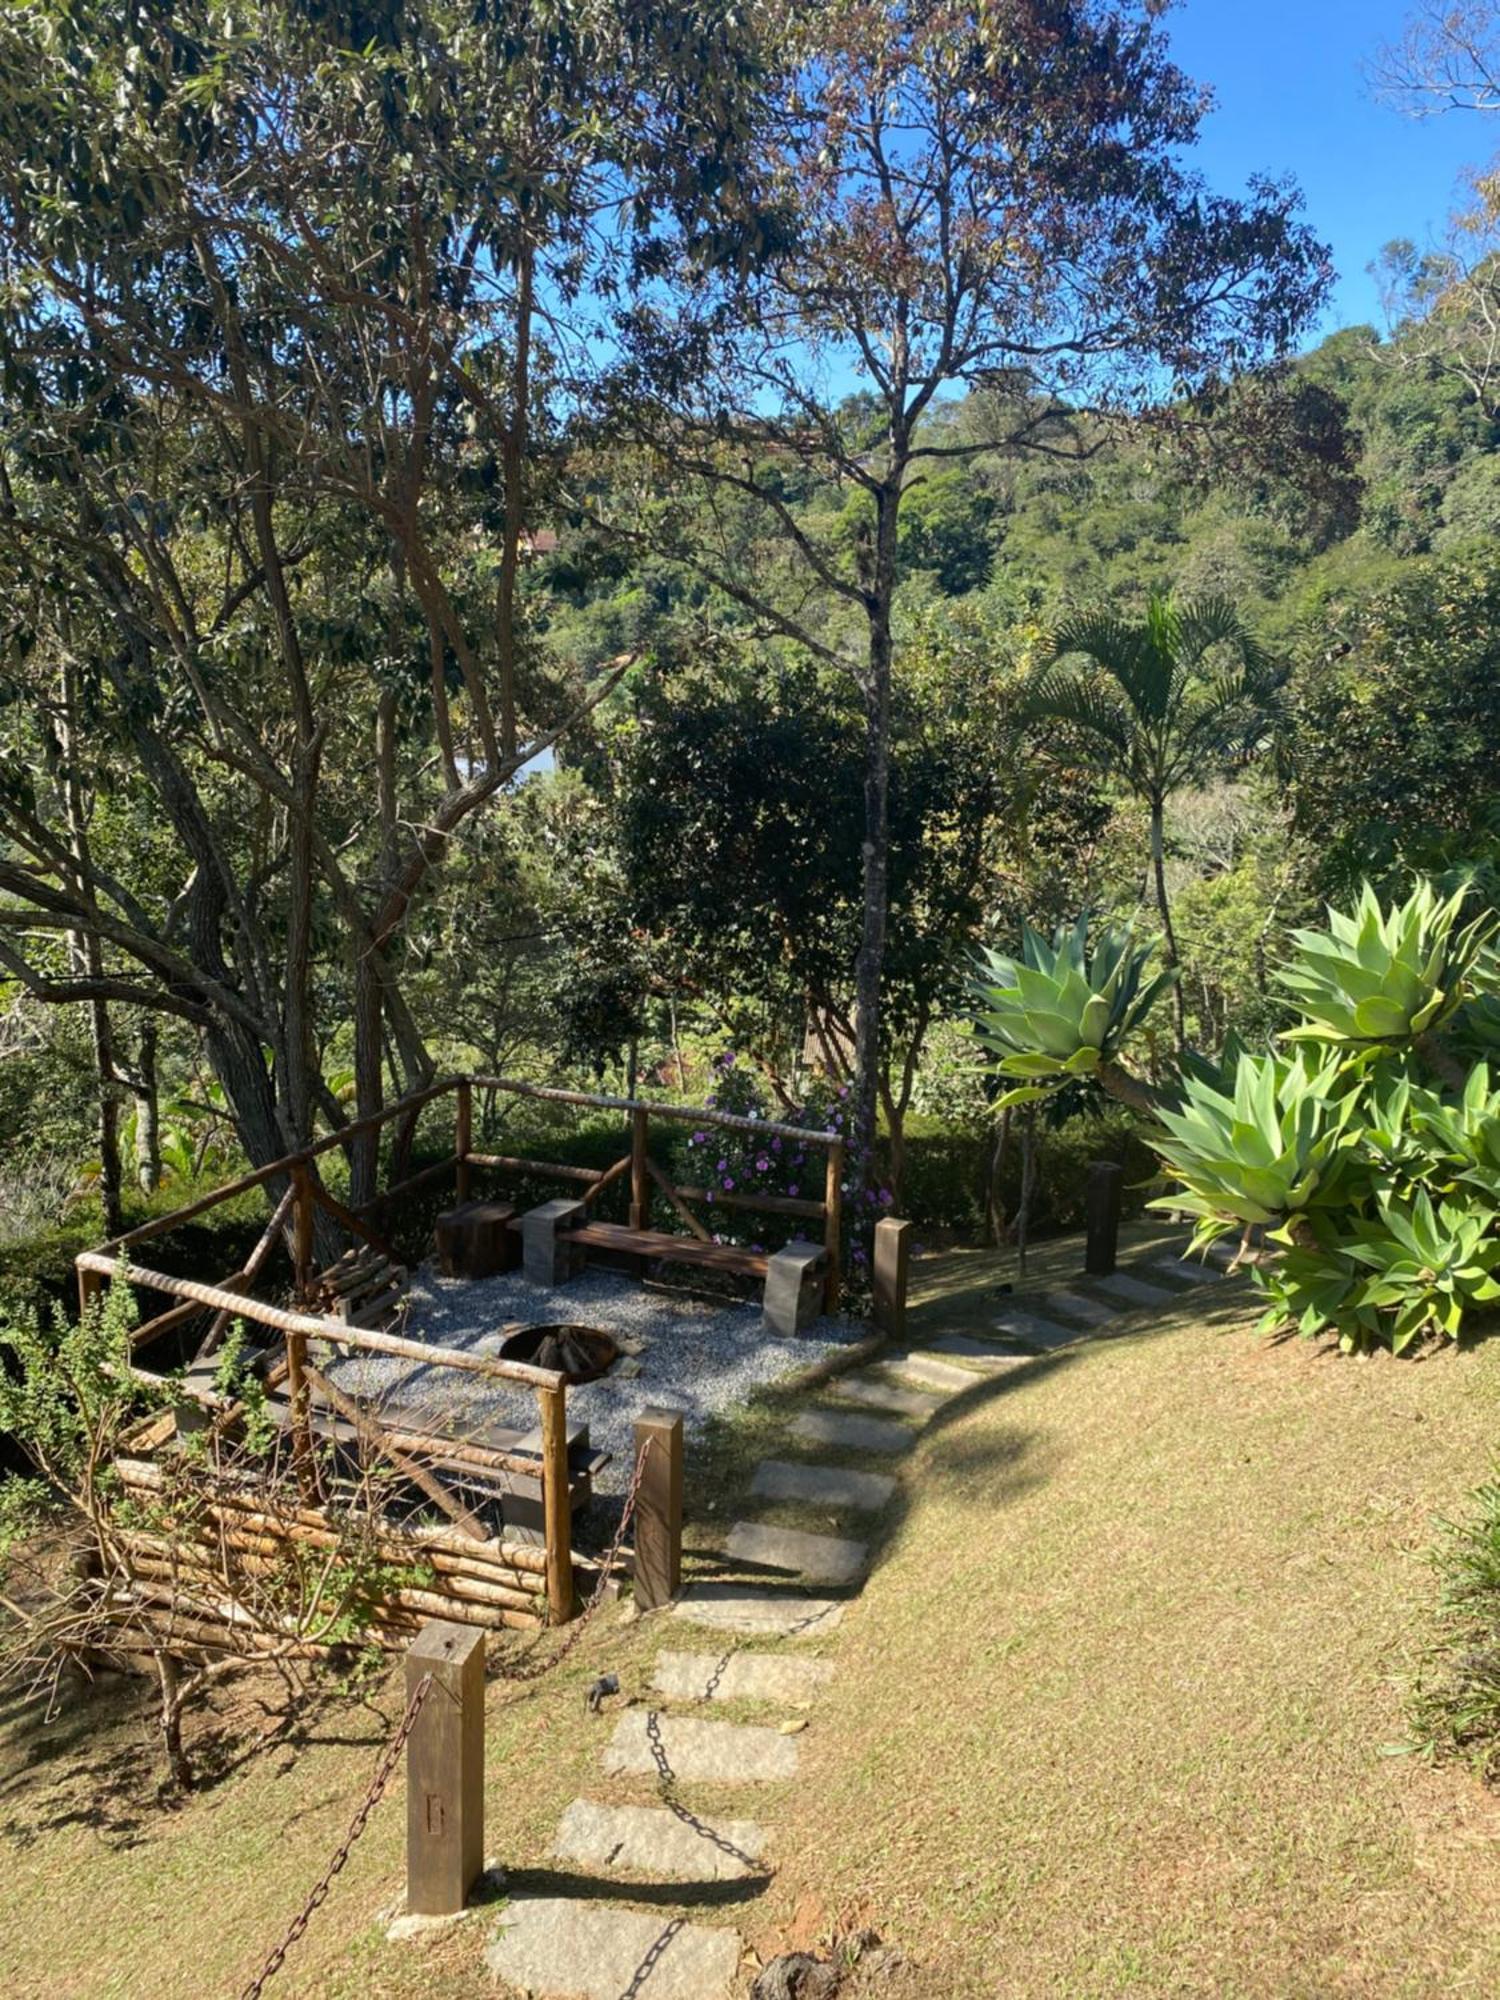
{"points": [[581, 1353]]}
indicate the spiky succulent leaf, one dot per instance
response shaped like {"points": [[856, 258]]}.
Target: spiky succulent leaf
{"points": [[1379, 977], [1060, 1009]]}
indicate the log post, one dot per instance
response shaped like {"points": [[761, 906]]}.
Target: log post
{"points": [[445, 1769], [833, 1198], [658, 1509], [300, 1415], [90, 1290], [640, 1172], [463, 1138], [302, 1228], [1106, 1184], [892, 1264], [557, 1504]]}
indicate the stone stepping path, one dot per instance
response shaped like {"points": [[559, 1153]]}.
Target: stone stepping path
{"points": [[572, 1950], [832, 1486], [1091, 1312], [1135, 1291], [576, 1948], [849, 1432], [878, 1394], [787, 1679], [828, 1559], [1032, 1327], [761, 1610], [652, 1840], [1187, 1269], [698, 1751]]}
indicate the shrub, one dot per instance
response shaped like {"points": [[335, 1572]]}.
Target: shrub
{"points": [[1454, 1700]]}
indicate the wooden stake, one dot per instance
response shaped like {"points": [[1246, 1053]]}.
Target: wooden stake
{"points": [[445, 1769], [892, 1261], [463, 1139], [640, 1182], [658, 1509], [833, 1202], [557, 1505]]}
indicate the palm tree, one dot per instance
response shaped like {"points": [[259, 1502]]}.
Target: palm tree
{"points": [[1162, 703]]}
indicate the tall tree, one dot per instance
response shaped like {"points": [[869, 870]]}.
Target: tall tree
{"points": [[1164, 702], [989, 197], [284, 291]]}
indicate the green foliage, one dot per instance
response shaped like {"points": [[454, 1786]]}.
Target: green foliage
{"points": [[1064, 1009], [66, 1385], [1454, 1701], [1376, 978]]}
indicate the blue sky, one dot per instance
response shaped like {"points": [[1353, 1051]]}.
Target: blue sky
{"points": [[1292, 98]]}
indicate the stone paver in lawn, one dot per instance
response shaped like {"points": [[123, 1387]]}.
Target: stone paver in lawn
{"points": [[877, 1394], [1187, 1270], [821, 1485], [993, 1356], [941, 1375], [698, 1751], [813, 1558], [767, 1612], [784, 1678], [1135, 1291], [850, 1432], [649, 1840], [1076, 1306], [564, 1949], [1018, 1325]]}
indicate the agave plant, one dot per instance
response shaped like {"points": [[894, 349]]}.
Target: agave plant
{"points": [[1065, 1009], [1277, 1145], [1378, 977]]}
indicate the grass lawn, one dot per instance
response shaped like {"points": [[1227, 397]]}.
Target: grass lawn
{"points": [[1111, 1717]]}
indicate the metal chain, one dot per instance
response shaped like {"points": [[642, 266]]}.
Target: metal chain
{"points": [[523, 1668], [389, 1758], [666, 1788]]}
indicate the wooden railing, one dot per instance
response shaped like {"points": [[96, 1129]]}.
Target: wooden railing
{"points": [[294, 1216]]}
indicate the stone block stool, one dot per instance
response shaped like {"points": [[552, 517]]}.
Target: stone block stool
{"points": [[547, 1257], [475, 1240], [794, 1286]]}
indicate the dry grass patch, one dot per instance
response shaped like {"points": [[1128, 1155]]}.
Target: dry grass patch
{"points": [[1115, 1714]]}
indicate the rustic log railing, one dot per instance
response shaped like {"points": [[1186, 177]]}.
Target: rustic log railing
{"points": [[298, 1194]]}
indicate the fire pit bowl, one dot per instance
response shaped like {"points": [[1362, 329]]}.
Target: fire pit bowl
{"points": [[579, 1353]]}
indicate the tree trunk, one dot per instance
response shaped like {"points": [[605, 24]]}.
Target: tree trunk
{"points": [[875, 849], [169, 1679], [1159, 871], [147, 1112], [994, 1206]]}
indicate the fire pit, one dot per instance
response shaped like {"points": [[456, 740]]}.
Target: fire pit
{"points": [[580, 1353]]}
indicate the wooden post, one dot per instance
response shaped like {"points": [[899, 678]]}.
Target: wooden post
{"points": [[90, 1290], [557, 1504], [1106, 1184], [833, 1197], [445, 1769], [658, 1509], [299, 1415], [463, 1138], [302, 1228], [892, 1262], [640, 1175]]}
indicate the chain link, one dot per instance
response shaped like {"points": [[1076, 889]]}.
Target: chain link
{"points": [[389, 1758]]}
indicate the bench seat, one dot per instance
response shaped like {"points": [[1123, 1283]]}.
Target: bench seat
{"points": [[672, 1249]]}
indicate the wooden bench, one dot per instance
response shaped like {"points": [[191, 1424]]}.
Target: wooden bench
{"points": [[671, 1249]]}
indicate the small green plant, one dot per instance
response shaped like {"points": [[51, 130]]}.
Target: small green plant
{"points": [[1379, 977], [1453, 1704]]}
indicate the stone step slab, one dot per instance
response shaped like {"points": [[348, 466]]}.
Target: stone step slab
{"points": [[828, 1559], [1187, 1270], [559, 1948], [699, 1751], [832, 1486], [993, 1356], [1133, 1291], [650, 1840], [782, 1678], [936, 1374], [847, 1431], [758, 1609], [877, 1394], [1075, 1305], [1033, 1327]]}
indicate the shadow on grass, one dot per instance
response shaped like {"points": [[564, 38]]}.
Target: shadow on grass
{"points": [[537, 1882]]}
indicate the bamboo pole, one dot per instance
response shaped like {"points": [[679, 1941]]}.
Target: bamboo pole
{"points": [[640, 1168]]}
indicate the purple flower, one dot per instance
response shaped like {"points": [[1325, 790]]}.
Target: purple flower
{"points": [[759, 1249], [843, 1090], [886, 1198], [859, 1256], [700, 1138], [792, 1189], [728, 1185], [762, 1164], [775, 1145], [723, 1166]]}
